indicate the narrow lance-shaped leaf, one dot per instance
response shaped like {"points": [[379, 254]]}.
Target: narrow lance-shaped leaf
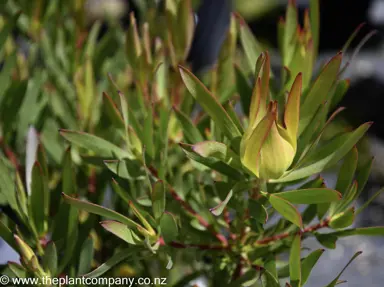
{"points": [[112, 262], [86, 256], [294, 261], [210, 104], [190, 131], [99, 210], [347, 171], [169, 229], [250, 45], [158, 199], [38, 201], [286, 209], [93, 143], [319, 90], [308, 263], [334, 282], [310, 196], [50, 258], [366, 231], [122, 231]]}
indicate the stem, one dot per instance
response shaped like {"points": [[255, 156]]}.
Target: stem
{"points": [[287, 234]]}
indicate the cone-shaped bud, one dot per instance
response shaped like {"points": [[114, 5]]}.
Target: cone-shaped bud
{"points": [[268, 146]]}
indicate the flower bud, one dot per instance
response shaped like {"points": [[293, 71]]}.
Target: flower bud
{"points": [[268, 147]]}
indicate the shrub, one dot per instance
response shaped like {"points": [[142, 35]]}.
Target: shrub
{"points": [[127, 169]]}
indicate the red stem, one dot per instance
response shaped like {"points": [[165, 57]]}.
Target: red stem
{"points": [[286, 234]]}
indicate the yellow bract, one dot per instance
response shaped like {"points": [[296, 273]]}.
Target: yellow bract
{"points": [[268, 147]]}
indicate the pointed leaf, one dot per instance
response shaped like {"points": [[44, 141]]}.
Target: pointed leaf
{"points": [[39, 199], [168, 225], [50, 258], [99, 210], [366, 231], [211, 162], [210, 104], [122, 231], [335, 281], [286, 209], [343, 220], [308, 263], [319, 90], [294, 262], [190, 131], [310, 196], [112, 262], [86, 256], [347, 171], [250, 45], [217, 210], [328, 240], [158, 199], [93, 143], [257, 211]]}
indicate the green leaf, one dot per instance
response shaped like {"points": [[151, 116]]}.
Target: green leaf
{"points": [[190, 131], [271, 273], [128, 169], [343, 220], [244, 89], [211, 162], [363, 175], [141, 216], [158, 199], [39, 199], [310, 196], [210, 104], [7, 235], [7, 184], [122, 231], [111, 262], [86, 256], [5, 75], [308, 263], [319, 91], [99, 146], [334, 282], [328, 240], [347, 171], [341, 89], [99, 210], [361, 208], [250, 45], [290, 33], [112, 111], [218, 210], [366, 231], [218, 151], [314, 15], [294, 261], [50, 258], [169, 229], [328, 155], [286, 209], [7, 28], [148, 134], [257, 211]]}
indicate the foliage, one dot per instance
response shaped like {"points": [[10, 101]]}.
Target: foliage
{"points": [[113, 151]]}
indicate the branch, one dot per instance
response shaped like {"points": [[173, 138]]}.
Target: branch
{"points": [[287, 234]]}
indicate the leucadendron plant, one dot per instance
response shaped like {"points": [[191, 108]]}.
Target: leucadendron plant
{"points": [[117, 161]]}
